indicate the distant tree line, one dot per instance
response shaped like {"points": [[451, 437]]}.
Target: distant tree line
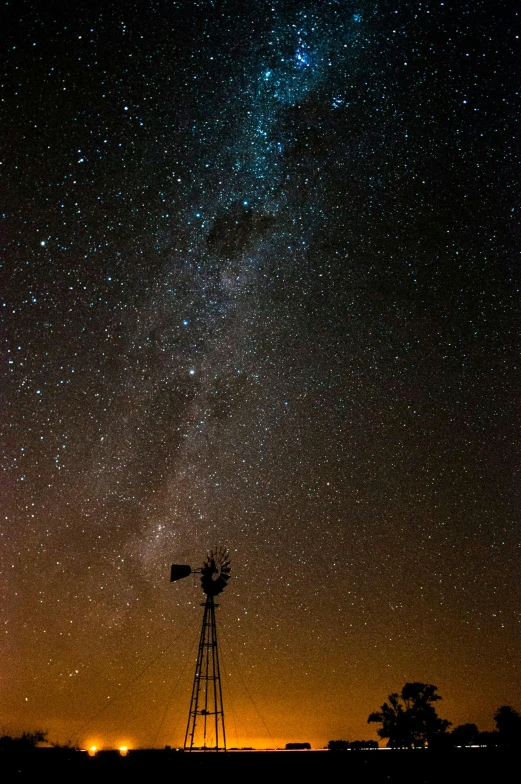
{"points": [[409, 720], [30, 740], [23, 742], [354, 745]]}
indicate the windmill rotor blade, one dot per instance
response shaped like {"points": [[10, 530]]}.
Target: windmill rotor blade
{"points": [[215, 571]]}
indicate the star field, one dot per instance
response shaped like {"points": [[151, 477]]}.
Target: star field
{"points": [[260, 289]]}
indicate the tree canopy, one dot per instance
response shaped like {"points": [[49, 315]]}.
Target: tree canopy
{"points": [[508, 723], [409, 719], [465, 735], [25, 741]]}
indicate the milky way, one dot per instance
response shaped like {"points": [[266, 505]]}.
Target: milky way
{"points": [[259, 290]]}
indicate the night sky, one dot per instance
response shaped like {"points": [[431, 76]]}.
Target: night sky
{"points": [[260, 287]]}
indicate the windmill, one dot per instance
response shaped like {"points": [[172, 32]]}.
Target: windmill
{"points": [[206, 706]]}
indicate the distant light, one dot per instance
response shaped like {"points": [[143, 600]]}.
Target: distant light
{"points": [[192, 372], [92, 751], [123, 750]]}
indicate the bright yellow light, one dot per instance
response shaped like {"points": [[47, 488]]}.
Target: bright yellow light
{"points": [[92, 751], [123, 750]]}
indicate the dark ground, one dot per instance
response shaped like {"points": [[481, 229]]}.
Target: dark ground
{"points": [[414, 767]]}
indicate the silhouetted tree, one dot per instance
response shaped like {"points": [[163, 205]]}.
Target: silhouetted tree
{"points": [[465, 735], [355, 745], [508, 723], [33, 738], [338, 745], [24, 742], [363, 745], [409, 719], [489, 739]]}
